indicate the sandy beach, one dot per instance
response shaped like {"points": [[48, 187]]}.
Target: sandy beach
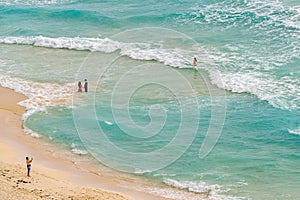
{"points": [[52, 177]]}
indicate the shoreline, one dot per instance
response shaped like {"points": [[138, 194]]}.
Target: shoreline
{"points": [[53, 174]]}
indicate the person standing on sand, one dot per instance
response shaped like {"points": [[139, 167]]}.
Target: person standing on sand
{"points": [[85, 85], [28, 163], [195, 62], [79, 86]]}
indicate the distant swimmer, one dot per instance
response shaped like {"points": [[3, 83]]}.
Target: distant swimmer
{"points": [[195, 62], [85, 85]]}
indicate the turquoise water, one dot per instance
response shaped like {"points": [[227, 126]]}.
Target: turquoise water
{"points": [[229, 129]]}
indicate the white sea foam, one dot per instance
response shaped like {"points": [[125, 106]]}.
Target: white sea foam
{"points": [[31, 132], [190, 186], [212, 192], [34, 2], [139, 171], [189, 190], [164, 175], [295, 131], [140, 51], [91, 44], [230, 12], [40, 95], [281, 93], [78, 151]]}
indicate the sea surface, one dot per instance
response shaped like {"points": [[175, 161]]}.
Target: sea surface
{"points": [[228, 128]]}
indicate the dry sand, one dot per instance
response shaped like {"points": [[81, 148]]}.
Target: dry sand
{"points": [[52, 177]]}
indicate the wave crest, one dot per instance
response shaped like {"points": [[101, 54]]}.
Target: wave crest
{"points": [[212, 192], [35, 2], [294, 131]]}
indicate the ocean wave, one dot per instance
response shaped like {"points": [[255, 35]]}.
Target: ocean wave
{"points": [[261, 67], [253, 14], [265, 22], [190, 186], [78, 151], [241, 69], [282, 93], [82, 44], [211, 192], [140, 51], [40, 95], [295, 131], [35, 2]]}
